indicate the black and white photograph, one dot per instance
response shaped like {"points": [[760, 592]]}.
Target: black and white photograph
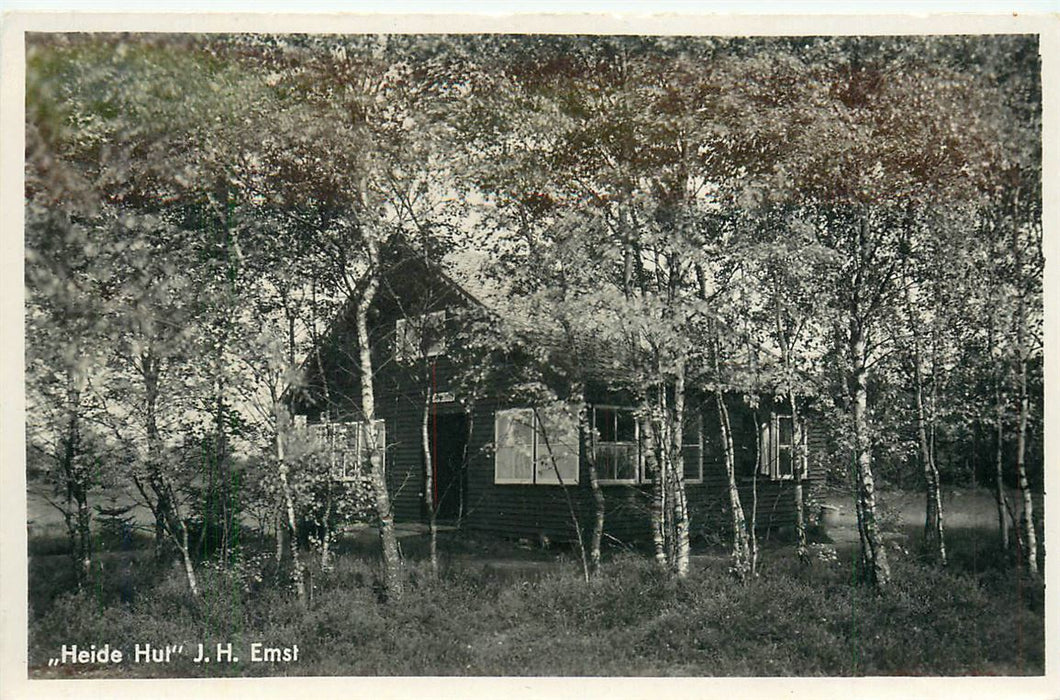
{"points": [[461, 353]]}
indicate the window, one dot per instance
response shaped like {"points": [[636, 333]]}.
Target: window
{"points": [[419, 336], [785, 432], [346, 445], [514, 441], [778, 456], [616, 444], [536, 446]]}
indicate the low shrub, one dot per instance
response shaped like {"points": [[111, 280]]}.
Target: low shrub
{"points": [[475, 619]]}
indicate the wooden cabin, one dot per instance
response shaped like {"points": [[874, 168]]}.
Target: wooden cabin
{"points": [[504, 468]]}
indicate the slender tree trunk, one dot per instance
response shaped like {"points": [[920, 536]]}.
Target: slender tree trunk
{"points": [[392, 567], [801, 541], [999, 481], [220, 460], [599, 504], [470, 413], [221, 463], [936, 481], [874, 554], [80, 528], [741, 544], [934, 535], [786, 350], [292, 522], [84, 532], [799, 464], [932, 516], [664, 444], [859, 511], [933, 531], [328, 535], [69, 510], [658, 502], [185, 553], [428, 472], [77, 514], [277, 519], [150, 369], [325, 552], [932, 425], [596, 539], [680, 503], [571, 510], [876, 569], [169, 520], [753, 529], [177, 528], [1030, 538]]}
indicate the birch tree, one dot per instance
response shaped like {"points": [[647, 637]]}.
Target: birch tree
{"points": [[640, 155], [74, 145], [857, 163], [343, 164]]}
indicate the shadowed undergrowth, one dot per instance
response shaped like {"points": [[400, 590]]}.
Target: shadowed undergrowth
{"points": [[981, 616]]}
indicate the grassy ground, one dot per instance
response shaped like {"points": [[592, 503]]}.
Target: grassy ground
{"points": [[499, 609]]}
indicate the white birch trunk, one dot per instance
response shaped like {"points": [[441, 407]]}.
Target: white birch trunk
{"points": [[292, 522], [999, 481], [741, 545], [392, 568], [873, 552], [658, 501], [680, 504], [428, 478], [1030, 539]]}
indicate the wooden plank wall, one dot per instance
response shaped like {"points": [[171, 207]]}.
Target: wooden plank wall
{"points": [[533, 511], [518, 510]]}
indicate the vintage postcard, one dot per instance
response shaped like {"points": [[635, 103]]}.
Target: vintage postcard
{"points": [[529, 354]]}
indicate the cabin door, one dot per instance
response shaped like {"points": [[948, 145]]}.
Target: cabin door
{"points": [[448, 433]]}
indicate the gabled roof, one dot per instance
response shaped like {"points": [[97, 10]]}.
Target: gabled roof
{"points": [[602, 360], [402, 263]]}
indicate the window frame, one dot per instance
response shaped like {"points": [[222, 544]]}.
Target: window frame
{"points": [[408, 350], [497, 415], [641, 478], [779, 448], [770, 434], [341, 458], [535, 431], [553, 448], [638, 468]]}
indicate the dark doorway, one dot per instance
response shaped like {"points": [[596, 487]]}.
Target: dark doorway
{"points": [[449, 451]]}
